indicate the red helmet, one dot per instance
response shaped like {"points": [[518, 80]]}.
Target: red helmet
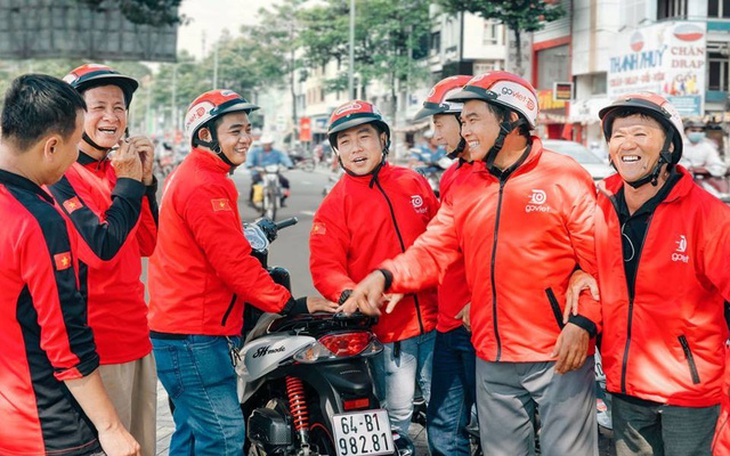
{"points": [[652, 105], [504, 89], [93, 75], [213, 104], [352, 114], [436, 101]]}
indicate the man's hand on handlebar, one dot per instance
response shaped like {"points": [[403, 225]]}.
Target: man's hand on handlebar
{"points": [[367, 296], [319, 304]]}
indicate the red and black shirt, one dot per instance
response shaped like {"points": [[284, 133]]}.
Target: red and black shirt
{"points": [[44, 334], [115, 224]]}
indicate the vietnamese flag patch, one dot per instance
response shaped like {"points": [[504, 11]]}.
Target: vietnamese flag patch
{"points": [[319, 228], [62, 260], [72, 204], [221, 204]]}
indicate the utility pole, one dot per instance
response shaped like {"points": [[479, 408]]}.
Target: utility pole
{"points": [[173, 107], [215, 65], [351, 72]]}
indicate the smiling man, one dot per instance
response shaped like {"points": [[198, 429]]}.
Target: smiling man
{"points": [[522, 219], [201, 274], [110, 202], [374, 212], [662, 246]]}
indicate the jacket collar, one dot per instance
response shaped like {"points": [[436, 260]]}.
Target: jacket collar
{"points": [[209, 160], [612, 184], [383, 174], [15, 180], [528, 164]]}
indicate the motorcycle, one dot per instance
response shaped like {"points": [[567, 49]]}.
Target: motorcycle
{"points": [[433, 171], [305, 384], [268, 193], [716, 186]]}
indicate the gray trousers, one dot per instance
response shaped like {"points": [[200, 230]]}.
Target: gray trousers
{"points": [[662, 430], [507, 395]]}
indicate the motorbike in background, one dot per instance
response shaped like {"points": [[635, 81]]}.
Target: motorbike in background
{"points": [[432, 172], [268, 193], [716, 186], [305, 384]]}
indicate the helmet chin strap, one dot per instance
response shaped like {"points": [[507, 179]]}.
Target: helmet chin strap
{"points": [[505, 128], [215, 146], [462, 142], [86, 138], [665, 157]]}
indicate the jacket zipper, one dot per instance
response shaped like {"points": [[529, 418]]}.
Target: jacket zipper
{"points": [[690, 359], [502, 182], [228, 310], [632, 295], [402, 248], [555, 306]]}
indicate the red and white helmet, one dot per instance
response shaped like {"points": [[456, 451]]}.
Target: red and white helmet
{"points": [[213, 104], [352, 114], [652, 105], [436, 102], [93, 75], [504, 89]]}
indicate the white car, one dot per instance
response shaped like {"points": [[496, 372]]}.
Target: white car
{"points": [[597, 168]]}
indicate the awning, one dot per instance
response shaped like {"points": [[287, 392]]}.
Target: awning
{"points": [[414, 127]]}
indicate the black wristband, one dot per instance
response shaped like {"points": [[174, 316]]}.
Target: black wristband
{"points": [[583, 322], [343, 296], [388, 278]]}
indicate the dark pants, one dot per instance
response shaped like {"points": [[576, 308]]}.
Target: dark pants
{"points": [[453, 390], [650, 429]]}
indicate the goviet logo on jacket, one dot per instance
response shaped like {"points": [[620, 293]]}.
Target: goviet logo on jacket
{"points": [[679, 254], [538, 198], [417, 203]]}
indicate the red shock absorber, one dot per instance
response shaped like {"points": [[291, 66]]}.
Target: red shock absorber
{"points": [[297, 403]]}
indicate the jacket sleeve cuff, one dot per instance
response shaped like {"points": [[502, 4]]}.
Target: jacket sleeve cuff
{"points": [[585, 323], [388, 278], [129, 188], [151, 190], [295, 306]]}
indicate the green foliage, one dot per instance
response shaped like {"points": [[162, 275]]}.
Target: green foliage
{"points": [[519, 15], [143, 12], [387, 36]]}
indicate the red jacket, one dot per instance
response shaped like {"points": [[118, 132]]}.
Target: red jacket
{"points": [[521, 239], [721, 442], [362, 222], [115, 224], [453, 291], [667, 344], [202, 271], [43, 332]]}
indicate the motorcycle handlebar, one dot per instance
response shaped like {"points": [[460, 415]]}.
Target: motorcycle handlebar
{"points": [[286, 223]]}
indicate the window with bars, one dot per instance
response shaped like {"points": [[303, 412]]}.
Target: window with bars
{"points": [[718, 8], [717, 77], [672, 8]]}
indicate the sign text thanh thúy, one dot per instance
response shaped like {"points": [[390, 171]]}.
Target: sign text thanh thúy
{"points": [[638, 60]]}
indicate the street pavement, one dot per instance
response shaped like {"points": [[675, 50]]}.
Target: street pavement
{"points": [[291, 250]]}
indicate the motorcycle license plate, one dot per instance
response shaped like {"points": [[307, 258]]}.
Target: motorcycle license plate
{"points": [[363, 433]]}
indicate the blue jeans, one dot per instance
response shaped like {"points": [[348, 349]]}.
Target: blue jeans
{"points": [[198, 375], [396, 371], [453, 390]]}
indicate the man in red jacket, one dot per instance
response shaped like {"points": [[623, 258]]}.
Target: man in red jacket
{"points": [[52, 400], [662, 245], [453, 388], [374, 212], [201, 274], [523, 222], [111, 205]]}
